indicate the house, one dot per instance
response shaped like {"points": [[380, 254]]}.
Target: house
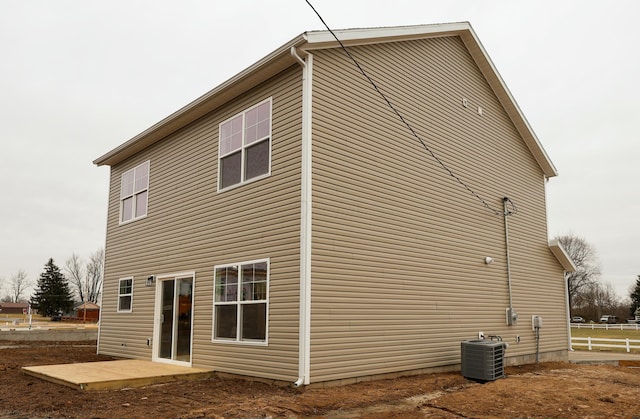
{"points": [[14, 308], [287, 226], [87, 311]]}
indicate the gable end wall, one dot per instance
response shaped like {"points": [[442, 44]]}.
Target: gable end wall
{"points": [[398, 272]]}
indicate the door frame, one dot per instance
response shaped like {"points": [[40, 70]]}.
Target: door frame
{"points": [[157, 317]]}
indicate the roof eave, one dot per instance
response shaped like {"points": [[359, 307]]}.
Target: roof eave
{"points": [[560, 253]]}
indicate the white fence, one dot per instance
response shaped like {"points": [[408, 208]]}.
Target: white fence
{"points": [[591, 343], [592, 326]]}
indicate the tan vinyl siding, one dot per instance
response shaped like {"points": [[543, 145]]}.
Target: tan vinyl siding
{"points": [[398, 273], [191, 227]]}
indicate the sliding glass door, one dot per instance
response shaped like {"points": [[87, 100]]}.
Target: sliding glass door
{"points": [[175, 321]]}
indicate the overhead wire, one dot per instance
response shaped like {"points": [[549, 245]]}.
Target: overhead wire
{"points": [[409, 127]]}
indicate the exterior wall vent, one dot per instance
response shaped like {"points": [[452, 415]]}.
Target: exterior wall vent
{"points": [[483, 360]]}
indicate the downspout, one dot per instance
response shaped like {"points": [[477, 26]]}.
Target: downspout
{"points": [[304, 330], [568, 312]]}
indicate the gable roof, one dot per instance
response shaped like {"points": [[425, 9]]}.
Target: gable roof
{"points": [[87, 306], [282, 58], [14, 305]]}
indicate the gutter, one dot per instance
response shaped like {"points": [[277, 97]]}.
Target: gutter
{"points": [[304, 332]]}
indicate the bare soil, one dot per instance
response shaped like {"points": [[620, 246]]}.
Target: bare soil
{"points": [[539, 391]]}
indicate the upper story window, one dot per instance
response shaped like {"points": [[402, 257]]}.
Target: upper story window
{"points": [[134, 193], [240, 302], [244, 152]]}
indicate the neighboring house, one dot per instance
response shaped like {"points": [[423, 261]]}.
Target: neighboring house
{"points": [[13, 308], [88, 311], [287, 226]]}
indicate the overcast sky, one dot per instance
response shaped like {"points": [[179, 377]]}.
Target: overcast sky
{"points": [[78, 78]]}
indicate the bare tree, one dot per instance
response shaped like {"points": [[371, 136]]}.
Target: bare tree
{"points": [[18, 284], [585, 257], [595, 299], [75, 274], [606, 298], [94, 275], [584, 302], [85, 278]]}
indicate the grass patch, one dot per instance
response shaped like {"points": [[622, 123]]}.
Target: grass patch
{"points": [[606, 334]]}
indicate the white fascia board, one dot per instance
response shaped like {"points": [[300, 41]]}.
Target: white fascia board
{"points": [[562, 256], [363, 36]]}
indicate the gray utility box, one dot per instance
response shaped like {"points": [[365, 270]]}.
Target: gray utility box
{"points": [[483, 360]]}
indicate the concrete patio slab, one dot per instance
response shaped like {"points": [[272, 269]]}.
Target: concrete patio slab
{"points": [[602, 357]]}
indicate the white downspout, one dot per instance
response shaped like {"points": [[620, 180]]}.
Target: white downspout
{"points": [[304, 350], [568, 309]]}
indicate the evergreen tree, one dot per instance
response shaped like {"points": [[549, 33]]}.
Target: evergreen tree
{"points": [[635, 297], [52, 294]]}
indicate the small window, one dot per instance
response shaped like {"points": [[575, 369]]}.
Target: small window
{"points": [[244, 151], [125, 295], [240, 303], [134, 193]]}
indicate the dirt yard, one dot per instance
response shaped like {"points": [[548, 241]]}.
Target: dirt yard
{"points": [[546, 390]]}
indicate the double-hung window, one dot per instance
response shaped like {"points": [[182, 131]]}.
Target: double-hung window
{"points": [[125, 295], [134, 193], [244, 151], [240, 303]]}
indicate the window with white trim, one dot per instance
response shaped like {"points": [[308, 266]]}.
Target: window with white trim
{"points": [[125, 295], [240, 303], [244, 150], [134, 193]]}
